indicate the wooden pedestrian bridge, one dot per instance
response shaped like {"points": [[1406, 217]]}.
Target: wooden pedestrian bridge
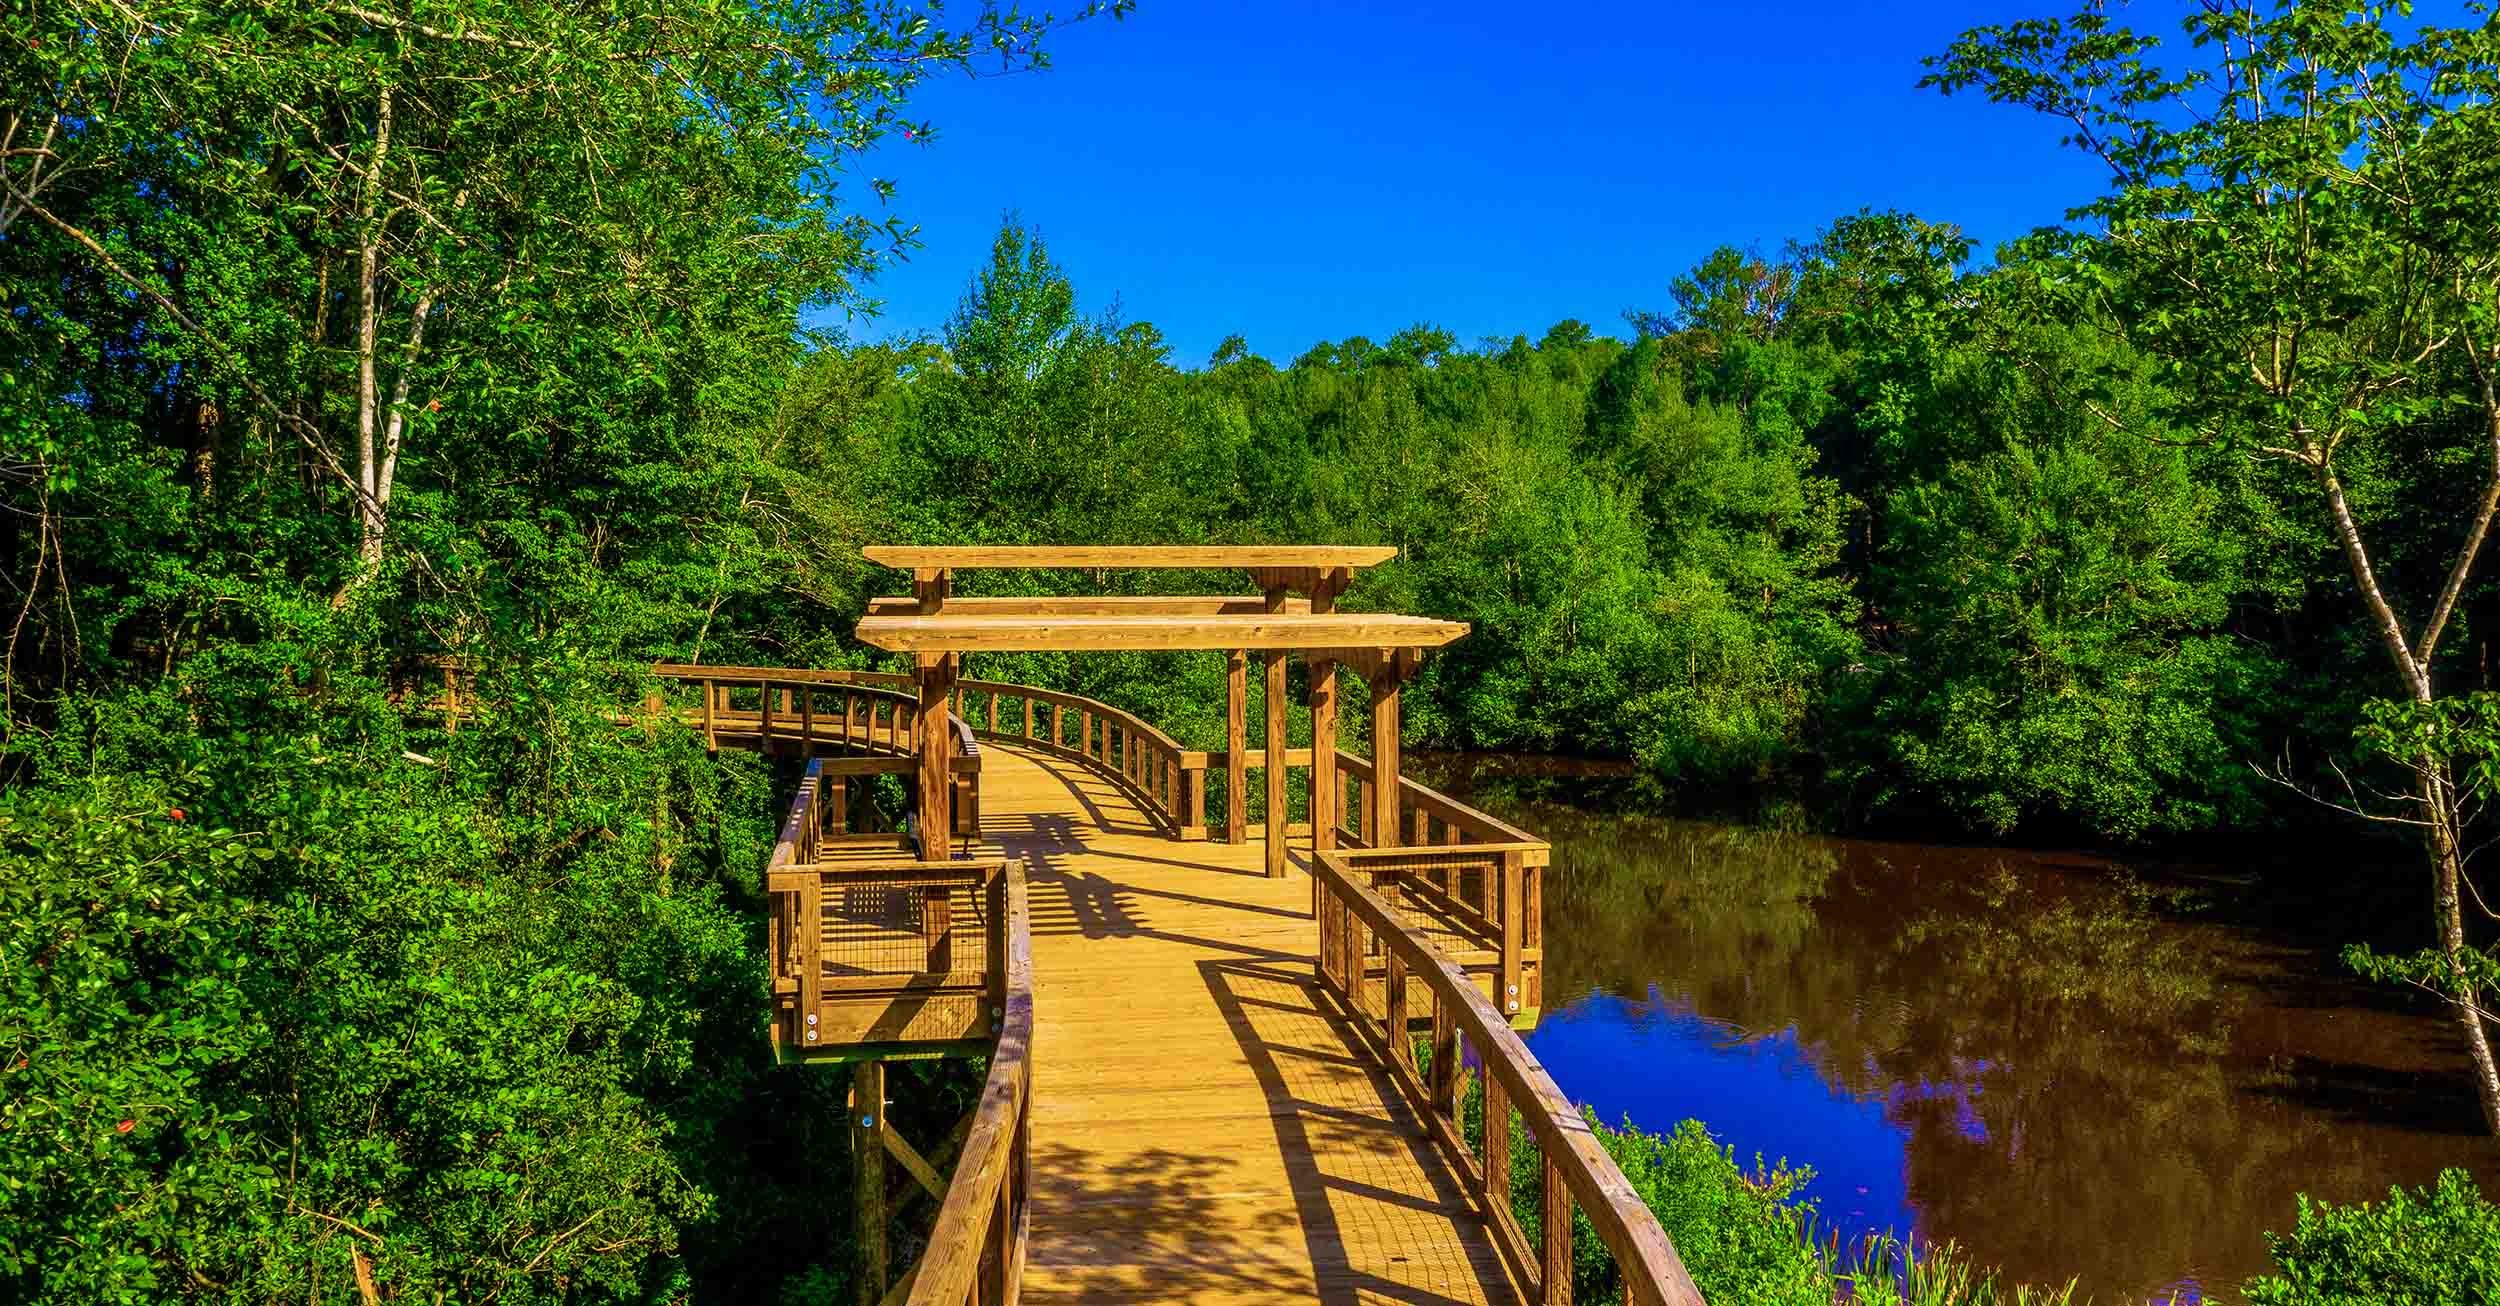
{"points": [[1227, 1061]]}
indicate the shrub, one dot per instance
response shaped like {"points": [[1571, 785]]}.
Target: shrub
{"points": [[2432, 1247]]}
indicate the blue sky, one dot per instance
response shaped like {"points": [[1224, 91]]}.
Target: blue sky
{"points": [[1298, 172]]}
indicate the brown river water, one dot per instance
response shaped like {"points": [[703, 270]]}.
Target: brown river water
{"points": [[2073, 1066]]}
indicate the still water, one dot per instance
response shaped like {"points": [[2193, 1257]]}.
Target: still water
{"points": [[2072, 1067]]}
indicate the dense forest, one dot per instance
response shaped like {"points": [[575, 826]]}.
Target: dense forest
{"points": [[339, 340]]}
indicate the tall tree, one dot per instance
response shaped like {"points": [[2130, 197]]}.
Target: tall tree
{"points": [[2299, 227], [350, 245]]}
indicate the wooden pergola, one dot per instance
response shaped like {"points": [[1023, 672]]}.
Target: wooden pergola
{"points": [[1295, 613]]}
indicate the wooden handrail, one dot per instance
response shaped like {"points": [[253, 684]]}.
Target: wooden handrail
{"points": [[1170, 780], [1077, 702], [899, 689], [976, 1249], [1578, 1171]]}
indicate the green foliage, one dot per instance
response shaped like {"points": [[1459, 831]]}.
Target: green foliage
{"points": [[127, 1164], [2438, 1246], [1741, 1233], [449, 1018], [1887, 1271]]}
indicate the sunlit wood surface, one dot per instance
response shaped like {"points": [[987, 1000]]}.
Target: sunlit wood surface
{"points": [[1204, 1127]]}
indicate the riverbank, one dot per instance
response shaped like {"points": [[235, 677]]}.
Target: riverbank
{"points": [[2071, 1064]]}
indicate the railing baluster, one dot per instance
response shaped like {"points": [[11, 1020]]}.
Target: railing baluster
{"points": [[1558, 1239], [1393, 1010], [1496, 1150], [937, 926], [1444, 1058]]}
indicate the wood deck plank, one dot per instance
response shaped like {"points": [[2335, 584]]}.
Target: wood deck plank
{"points": [[1205, 1127]]}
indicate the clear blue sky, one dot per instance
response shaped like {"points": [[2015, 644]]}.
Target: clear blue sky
{"points": [[1299, 171]]}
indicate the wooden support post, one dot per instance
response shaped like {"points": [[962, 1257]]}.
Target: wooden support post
{"points": [[868, 1176], [1276, 765], [1327, 789], [932, 586], [807, 943], [1532, 934], [1028, 718], [1386, 680], [1236, 745], [838, 816], [711, 701], [934, 746], [1512, 874]]}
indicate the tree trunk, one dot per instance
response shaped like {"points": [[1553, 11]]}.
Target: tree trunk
{"points": [[2439, 806], [2448, 912]]}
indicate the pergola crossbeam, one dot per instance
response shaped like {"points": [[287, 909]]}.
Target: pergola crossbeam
{"points": [[952, 632]]}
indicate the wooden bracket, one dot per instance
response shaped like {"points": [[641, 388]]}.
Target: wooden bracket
{"points": [[902, 1151]]}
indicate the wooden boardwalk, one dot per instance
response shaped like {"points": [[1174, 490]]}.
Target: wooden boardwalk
{"points": [[1205, 1125], [1218, 1070]]}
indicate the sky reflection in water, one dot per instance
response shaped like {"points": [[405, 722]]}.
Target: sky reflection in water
{"points": [[1658, 1061]]}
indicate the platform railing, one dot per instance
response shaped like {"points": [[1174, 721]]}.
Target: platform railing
{"points": [[869, 951], [976, 1250], [775, 709], [1170, 781], [1477, 881], [1467, 1036]]}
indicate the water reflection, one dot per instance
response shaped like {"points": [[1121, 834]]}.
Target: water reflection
{"points": [[2069, 1070]]}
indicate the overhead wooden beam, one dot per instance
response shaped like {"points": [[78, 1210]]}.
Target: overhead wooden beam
{"points": [[913, 557], [952, 633], [1115, 605]]}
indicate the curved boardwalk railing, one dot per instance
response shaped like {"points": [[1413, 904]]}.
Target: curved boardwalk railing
{"points": [[976, 1249], [1355, 921], [1169, 778]]}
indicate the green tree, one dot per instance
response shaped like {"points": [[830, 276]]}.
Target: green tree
{"points": [[2298, 232]]}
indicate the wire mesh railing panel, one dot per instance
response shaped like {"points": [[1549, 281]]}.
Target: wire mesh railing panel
{"points": [[910, 925]]}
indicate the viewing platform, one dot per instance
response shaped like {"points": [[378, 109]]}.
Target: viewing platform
{"points": [[1226, 1062]]}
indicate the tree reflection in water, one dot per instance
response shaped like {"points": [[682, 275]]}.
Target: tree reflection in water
{"points": [[2070, 1072]]}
